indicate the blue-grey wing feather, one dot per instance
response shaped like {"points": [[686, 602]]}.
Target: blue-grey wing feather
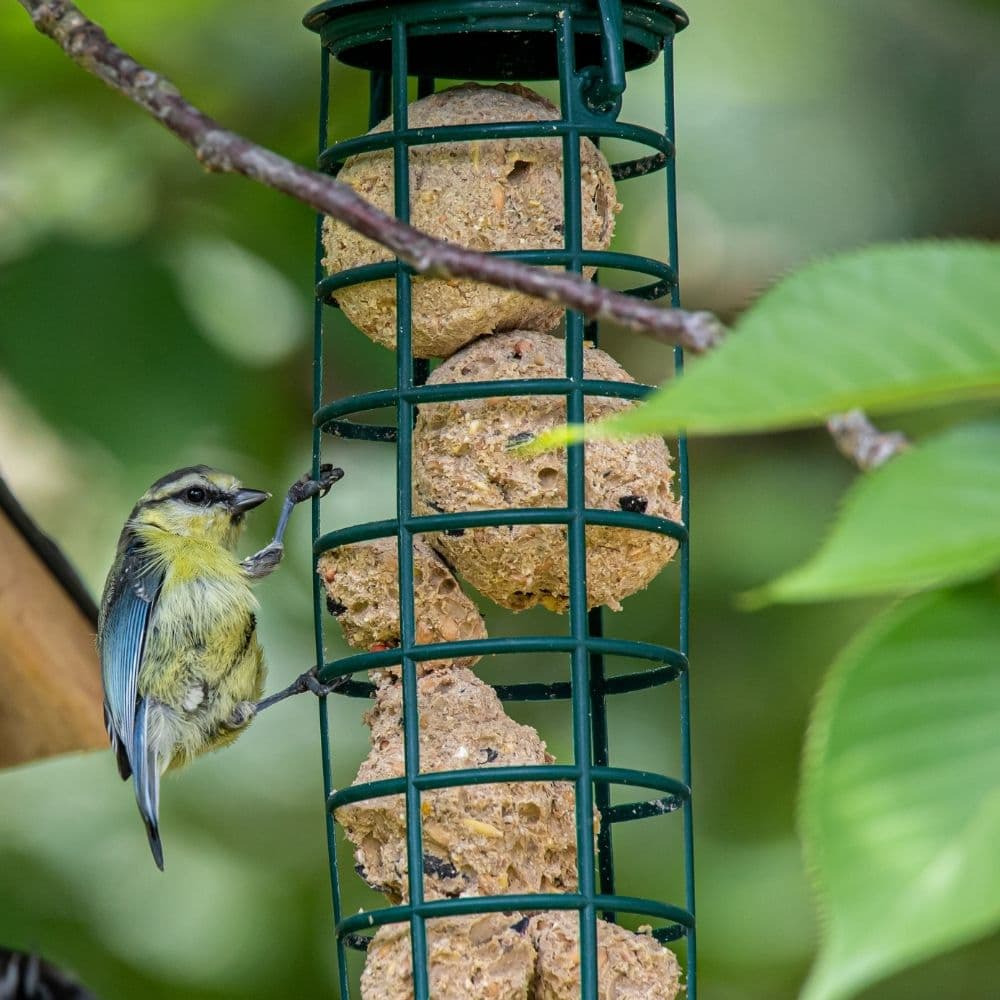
{"points": [[147, 781], [129, 604]]}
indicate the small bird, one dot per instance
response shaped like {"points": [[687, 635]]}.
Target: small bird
{"points": [[180, 660]]}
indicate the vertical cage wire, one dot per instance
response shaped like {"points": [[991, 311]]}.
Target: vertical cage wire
{"points": [[684, 610], [380, 38], [317, 589]]}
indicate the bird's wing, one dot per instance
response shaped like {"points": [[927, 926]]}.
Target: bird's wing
{"points": [[147, 781], [126, 619]]}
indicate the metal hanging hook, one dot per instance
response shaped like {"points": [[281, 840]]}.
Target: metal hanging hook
{"points": [[602, 86]]}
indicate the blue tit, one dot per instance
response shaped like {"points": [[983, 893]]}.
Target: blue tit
{"points": [[180, 660]]}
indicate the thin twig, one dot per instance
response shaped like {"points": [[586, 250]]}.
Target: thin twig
{"points": [[858, 439], [222, 151]]}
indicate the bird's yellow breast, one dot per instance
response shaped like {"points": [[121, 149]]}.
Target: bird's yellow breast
{"points": [[202, 631]]}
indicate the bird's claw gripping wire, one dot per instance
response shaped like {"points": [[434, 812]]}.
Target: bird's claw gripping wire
{"points": [[309, 681], [306, 487]]}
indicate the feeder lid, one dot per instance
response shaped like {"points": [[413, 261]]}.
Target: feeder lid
{"points": [[487, 39]]}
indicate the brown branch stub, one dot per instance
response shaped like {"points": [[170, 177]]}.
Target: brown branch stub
{"points": [[858, 439], [227, 152]]}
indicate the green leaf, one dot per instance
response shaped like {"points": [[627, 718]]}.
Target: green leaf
{"points": [[243, 304], [900, 806], [885, 328], [930, 516]]}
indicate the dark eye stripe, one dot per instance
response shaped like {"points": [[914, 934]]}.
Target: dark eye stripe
{"points": [[179, 490], [212, 495]]}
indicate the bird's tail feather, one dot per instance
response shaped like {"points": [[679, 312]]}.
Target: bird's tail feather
{"points": [[146, 773], [121, 752]]}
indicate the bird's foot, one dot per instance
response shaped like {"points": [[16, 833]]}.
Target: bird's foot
{"points": [[306, 487], [264, 562], [318, 688], [309, 681], [241, 716]]}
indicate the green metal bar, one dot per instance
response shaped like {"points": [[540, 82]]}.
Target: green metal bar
{"points": [[495, 518], [317, 590], [404, 493], [621, 170], [350, 430], [424, 135], [599, 734], [542, 258], [532, 902], [685, 553], [510, 644], [640, 680], [576, 529], [624, 684], [600, 739], [379, 102], [329, 417], [612, 84], [642, 810], [519, 644], [507, 775], [447, 392], [625, 170]]}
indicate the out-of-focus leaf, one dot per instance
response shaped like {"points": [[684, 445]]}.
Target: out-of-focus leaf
{"points": [[736, 876], [900, 803], [100, 345], [106, 197], [929, 517], [884, 328], [242, 303]]}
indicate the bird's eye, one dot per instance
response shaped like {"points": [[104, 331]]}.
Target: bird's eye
{"points": [[195, 495]]}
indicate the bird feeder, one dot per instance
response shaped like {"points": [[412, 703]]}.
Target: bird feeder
{"points": [[588, 46]]}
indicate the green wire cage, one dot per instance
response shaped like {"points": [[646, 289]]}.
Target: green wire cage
{"points": [[587, 46]]}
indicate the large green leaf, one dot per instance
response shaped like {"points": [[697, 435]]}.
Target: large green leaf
{"points": [[929, 517], [884, 328], [900, 801]]}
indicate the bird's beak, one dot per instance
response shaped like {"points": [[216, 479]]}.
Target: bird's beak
{"points": [[243, 500]]}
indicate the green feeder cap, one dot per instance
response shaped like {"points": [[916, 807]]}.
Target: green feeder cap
{"points": [[490, 39]]}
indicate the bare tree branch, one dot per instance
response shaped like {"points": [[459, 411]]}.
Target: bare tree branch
{"points": [[858, 439], [223, 151]]}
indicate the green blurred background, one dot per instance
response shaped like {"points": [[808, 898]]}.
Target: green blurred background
{"points": [[152, 316]]}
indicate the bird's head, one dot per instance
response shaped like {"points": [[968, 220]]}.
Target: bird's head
{"points": [[197, 502]]}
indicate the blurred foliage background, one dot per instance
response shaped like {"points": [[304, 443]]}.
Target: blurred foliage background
{"points": [[152, 316]]}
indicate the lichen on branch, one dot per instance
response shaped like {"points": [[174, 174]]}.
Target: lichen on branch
{"points": [[859, 440]]}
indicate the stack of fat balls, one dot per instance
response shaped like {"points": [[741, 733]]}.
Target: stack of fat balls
{"points": [[520, 837]]}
